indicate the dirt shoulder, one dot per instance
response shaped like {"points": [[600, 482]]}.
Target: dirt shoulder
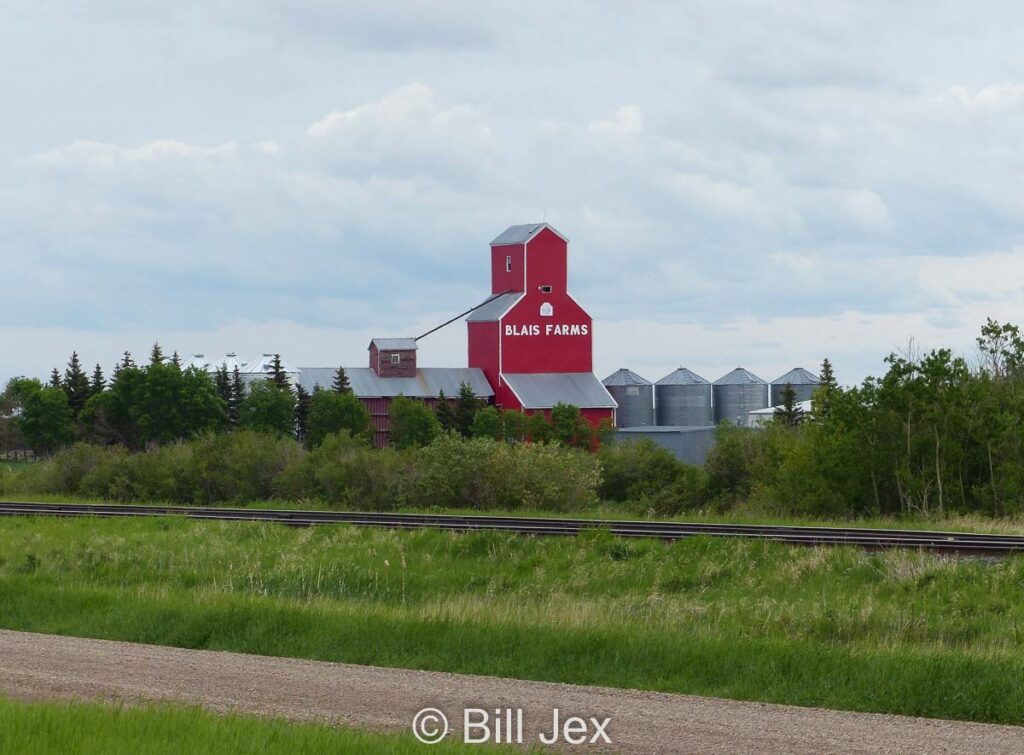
{"points": [[34, 667]]}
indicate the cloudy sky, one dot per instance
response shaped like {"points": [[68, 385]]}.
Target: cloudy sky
{"points": [[742, 182]]}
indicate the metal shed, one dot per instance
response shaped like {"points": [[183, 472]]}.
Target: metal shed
{"points": [[689, 444]]}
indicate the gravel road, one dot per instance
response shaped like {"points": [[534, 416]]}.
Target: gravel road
{"points": [[35, 666]]}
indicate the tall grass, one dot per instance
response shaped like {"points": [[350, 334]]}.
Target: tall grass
{"points": [[899, 632], [95, 729]]}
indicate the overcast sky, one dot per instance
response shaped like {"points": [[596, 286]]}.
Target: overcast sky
{"points": [[744, 183]]}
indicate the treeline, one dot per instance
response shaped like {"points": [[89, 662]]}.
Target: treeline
{"points": [[160, 403], [934, 435]]}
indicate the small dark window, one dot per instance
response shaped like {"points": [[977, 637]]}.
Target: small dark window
{"points": [[545, 289], [396, 359]]}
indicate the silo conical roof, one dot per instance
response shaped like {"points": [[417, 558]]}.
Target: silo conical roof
{"points": [[740, 376], [798, 376], [625, 377], [682, 376]]}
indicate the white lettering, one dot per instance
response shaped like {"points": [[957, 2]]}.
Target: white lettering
{"points": [[480, 724], [549, 329], [600, 727], [573, 726], [550, 739]]}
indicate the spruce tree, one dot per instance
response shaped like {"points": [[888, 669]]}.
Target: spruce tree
{"points": [[98, 382], [789, 414], [76, 384], [126, 363], [828, 377], [278, 375], [823, 395], [301, 412], [156, 356], [445, 413], [176, 360], [55, 380], [237, 394], [466, 406], [341, 384], [222, 381]]}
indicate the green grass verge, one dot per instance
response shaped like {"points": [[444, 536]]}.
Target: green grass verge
{"points": [[96, 729], [898, 632]]}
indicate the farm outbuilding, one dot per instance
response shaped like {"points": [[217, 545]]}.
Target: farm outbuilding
{"points": [[377, 391], [689, 444]]}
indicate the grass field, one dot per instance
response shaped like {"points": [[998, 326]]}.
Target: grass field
{"points": [[898, 632], [96, 729]]}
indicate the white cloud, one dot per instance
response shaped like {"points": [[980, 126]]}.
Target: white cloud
{"points": [[101, 155], [341, 167], [990, 96], [628, 120]]}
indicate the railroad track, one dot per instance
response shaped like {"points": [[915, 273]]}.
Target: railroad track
{"points": [[947, 542]]}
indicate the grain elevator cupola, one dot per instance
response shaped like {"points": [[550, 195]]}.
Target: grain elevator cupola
{"points": [[393, 357]]}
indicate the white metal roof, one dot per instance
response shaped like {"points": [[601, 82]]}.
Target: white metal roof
{"points": [[798, 376], [428, 383], [394, 344], [545, 389], [263, 365], [625, 377], [804, 405], [740, 376], [682, 376], [520, 234], [198, 362], [494, 309]]}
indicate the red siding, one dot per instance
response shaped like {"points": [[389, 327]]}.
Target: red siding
{"points": [[501, 279], [483, 349], [380, 417], [531, 342]]}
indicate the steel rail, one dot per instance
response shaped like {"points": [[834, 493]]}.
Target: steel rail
{"points": [[940, 541]]}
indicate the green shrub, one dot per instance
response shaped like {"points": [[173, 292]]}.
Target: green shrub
{"points": [[651, 477], [347, 473], [241, 466], [486, 474]]}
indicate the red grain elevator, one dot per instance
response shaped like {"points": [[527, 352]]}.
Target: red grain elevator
{"points": [[531, 339]]}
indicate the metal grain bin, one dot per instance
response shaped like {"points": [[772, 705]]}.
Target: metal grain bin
{"points": [[683, 399], [635, 396], [737, 393], [804, 385]]}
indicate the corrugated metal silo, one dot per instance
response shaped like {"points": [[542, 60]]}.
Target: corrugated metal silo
{"points": [[737, 393], [683, 399], [804, 385], [635, 396]]}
